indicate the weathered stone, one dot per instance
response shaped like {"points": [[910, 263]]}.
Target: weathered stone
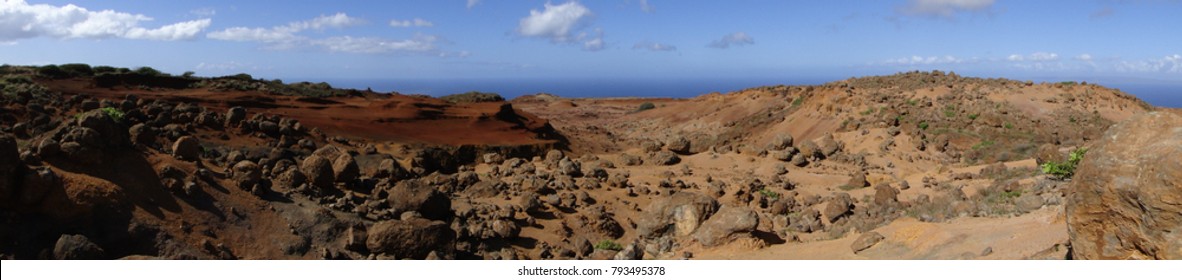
{"points": [[730, 223], [319, 172], [247, 175], [413, 238], [679, 215], [839, 206], [235, 116], [679, 145], [1126, 198], [345, 169], [76, 247], [413, 196], [186, 148], [865, 241], [664, 158]]}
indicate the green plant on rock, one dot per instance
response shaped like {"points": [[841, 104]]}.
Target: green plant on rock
{"points": [[923, 125], [115, 114], [769, 194], [608, 244], [1064, 170]]}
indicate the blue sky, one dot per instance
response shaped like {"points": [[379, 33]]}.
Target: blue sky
{"points": [[652, 39]]}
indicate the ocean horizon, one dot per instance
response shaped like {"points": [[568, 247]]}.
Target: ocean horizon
{"points": [[1156, 94]]}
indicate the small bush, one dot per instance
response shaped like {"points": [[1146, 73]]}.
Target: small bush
{"points": [[769, 194], [51, 71], [1009, 126], [77, 70], [797, 102], [1064, 170], [115, 114], [608, 245], [923, 125], [473, 97], [148, 71], [974, 116], [646, 106]]}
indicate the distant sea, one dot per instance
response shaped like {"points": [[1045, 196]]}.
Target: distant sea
{"points": [[1157, 94]]}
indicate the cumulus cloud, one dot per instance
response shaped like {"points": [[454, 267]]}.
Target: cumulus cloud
{"points": [[19, 20], [472, 3], [562, 24], [944, 8], [656, 47], [1034, 57], [285, 37], [417, 22], [1084, 57], [555, 22], [736, 39], [1167, 64]]}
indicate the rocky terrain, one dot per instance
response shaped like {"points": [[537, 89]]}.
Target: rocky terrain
{"points": [[920, 165]]}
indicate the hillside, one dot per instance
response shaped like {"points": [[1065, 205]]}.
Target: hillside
{"points": [[913, 165]]}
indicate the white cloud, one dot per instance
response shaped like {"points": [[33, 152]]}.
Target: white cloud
{"points": [[944, 8], [1084, 57], [1167, 64], [285, 37], [656, 47], [928, 60], [736, 39], [646, 7], [555, 22], [19, 20], [284, 34], [373, 45], [417, 22], [561, 24], [204, 12], [472, 3], [1034, 57]]}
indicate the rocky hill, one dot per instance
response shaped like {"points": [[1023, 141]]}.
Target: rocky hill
{"points": [[139, 164]]}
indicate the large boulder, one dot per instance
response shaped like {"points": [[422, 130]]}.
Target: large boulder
{"points": [[730, 223], [410, 195], [345, 169], [76, 247], [839, 206], [246, 175], [679, 215], [678, 145], [1126, 198], [10, 167], [318, 171], [413, 238], [664, 158], [186, 148]]}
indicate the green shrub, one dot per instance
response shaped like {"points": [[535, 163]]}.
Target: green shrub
{"points": [[983, 144], [974, 116], [1009, 126], [51, 71], [769, 194], [115, 114], [646, 106], [796, 102], [923, 125], [77, 70], [104, 70], [607, 244], [148, 71], [1064, 170], [472, 97]]}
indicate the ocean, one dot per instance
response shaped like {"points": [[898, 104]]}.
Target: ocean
{"points": [[1157, 94]]}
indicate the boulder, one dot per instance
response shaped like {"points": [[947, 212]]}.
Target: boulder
{"points": [[865, 241], [1126, 198], [664, 158], [319, 172], [410, 195], [345, 169], [839, 206], [679, 215], [858, 180], [235, 116], [679, 145], [884, 194], [76, 247], [142, 134], [246, 175], [413, 238], [730, 223], [781, 142], [186, 148], [11, 167]]}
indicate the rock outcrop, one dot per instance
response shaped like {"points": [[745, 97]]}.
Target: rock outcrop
{"points": [[1126, 198]]}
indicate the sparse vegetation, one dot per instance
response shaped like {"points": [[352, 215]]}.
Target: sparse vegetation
{"points": [[868, 111], [646, 106], [950, 111], [1009, 125], [983, 144], [974, 116], [1064, 170], [115, 114], [923, 125], [796, 102], [608, 244], [912, 102], [473, 97], [769, 194]]}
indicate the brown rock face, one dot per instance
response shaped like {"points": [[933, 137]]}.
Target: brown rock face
{"points": [[1126, 198], [414, 238]]}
